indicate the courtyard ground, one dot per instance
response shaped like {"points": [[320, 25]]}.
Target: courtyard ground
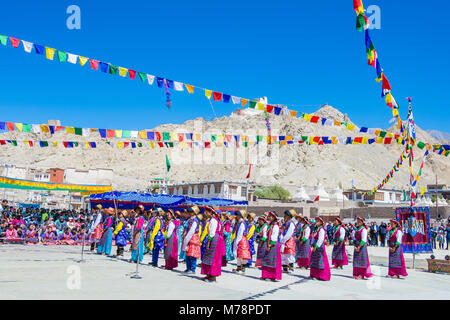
{"points": [[54, 272]]}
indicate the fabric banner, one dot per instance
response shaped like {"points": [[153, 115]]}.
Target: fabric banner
{"points": [[415, 225]]}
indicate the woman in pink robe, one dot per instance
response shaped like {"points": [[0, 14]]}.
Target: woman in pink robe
{"points": [[171, 241], [212, 259]]}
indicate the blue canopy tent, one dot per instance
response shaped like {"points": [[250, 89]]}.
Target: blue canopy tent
{"points": [[129, 200]]}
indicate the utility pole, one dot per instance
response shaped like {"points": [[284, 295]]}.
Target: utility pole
{"points": [[435, 190]]}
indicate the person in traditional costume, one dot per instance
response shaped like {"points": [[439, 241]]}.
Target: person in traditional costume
{"points": [[156, 243], [212, 258], [251, 235], [66, 238], [271, 263], [148, 231], [397, 265], [303, 236], [319, 267], [287, 241], [96, 228], [105, 244], [191, 240], [49, 237], [361, 264], [182, 219], [241, 249], [137, 237], [226, 225], [120, 233], [339, 256], [32, 235], [261, 239], [171, 241], [204, 233]]}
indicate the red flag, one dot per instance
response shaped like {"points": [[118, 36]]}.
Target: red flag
{"points": [[317, 198], [94, 64], [314, 119], [15, 42], [132, 73], [269, 108], [386, 85], [110, 133], [249, 171], [217, 96]]}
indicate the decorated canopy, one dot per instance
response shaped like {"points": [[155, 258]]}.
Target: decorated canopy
{"points": [[11, 183]]}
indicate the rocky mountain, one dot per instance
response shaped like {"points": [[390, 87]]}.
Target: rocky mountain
{"points": [[439, 135], [289, 166]]}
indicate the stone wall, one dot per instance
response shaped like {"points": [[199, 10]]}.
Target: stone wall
{"points": [[387, 212]]}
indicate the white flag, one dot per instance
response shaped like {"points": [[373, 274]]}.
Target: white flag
{"points": [[150, 79], [236, 100], [27, 46], [72, 58], [178, 86], [86, 132]]}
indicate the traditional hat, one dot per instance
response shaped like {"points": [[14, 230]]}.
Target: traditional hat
{"points": [[241, 213], [339, 220], [200, 216], [395, 221], [173, 213], [320, 219], [251, 214], [362, 220], [208, 208], [273, 214], [262, 218], [159, 210], [99, 206], [110, 210], [193, 209], [290, 213], [124, 212], [142, 207]]}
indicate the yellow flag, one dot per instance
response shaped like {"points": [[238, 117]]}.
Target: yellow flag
{"points": [[55, 143], [198, 137], [394, 112], [350, 126], [19, 126], [422, 191], [49, 52], [143, 134], [83, 60], [173, 136], [86, 144], [123, 72], [365, 140], [68, 130], [152, 145], [208, 93], [336, 123], [261, 106], [307, 117], [189, 88], [283, 143], [289, 138], [335, 140], [118, 134], [120, 145], [44, 128], [380, 140]]}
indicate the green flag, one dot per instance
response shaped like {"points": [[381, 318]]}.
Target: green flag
{"points": [[167, 163]]}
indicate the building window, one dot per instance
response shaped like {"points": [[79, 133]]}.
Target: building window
{"points": [[185, 190], [200, 189], [217, 188], [379, 196], [243, 192]]}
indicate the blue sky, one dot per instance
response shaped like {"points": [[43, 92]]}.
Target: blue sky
{"points": [[298, 53]]}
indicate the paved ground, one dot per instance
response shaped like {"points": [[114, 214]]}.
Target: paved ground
{"points": [[51, 272]]}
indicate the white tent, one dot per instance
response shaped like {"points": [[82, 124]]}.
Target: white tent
{"points": [[337, 195], [320, 191], [442, 202], [300, 195], [428, 201], [420, 202]]}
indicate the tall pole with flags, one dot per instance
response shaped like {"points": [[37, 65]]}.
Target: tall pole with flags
{"points": [[353, 195], [167, 173], [246, 188], [411, 138]]}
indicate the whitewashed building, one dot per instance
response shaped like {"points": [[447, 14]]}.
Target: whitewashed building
{"points": [[236, 191]]}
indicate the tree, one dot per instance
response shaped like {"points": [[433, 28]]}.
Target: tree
{"points": [[273, 192]]}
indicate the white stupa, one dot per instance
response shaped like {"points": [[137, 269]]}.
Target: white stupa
{"points": [[320, 191], [300, 195], [442, 202], [420, 202], [429, 202], [337, 195]]}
